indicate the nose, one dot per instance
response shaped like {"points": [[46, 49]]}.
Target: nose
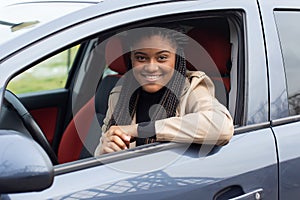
{"points": [[151, 66]]}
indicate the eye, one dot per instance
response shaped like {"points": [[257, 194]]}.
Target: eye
{"points": [[140, 58], [162, 58]]}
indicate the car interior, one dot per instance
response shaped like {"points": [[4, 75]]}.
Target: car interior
{"points": [[102, 60], [212, 34]]}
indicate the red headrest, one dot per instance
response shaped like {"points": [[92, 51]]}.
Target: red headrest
{"points": [[114, 55], [216, 42]]}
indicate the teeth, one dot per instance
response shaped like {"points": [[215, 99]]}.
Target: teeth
{"points": [[152, 77]]}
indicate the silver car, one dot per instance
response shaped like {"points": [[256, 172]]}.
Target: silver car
{"points": [[55, 80]]}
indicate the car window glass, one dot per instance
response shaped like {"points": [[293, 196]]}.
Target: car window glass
{"points": [[49, 74], [289, 32]]}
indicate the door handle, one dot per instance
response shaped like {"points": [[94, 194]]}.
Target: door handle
{"points": [[253, 195]]}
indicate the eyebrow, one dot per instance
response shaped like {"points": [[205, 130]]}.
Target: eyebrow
{"points": [[163, 51]]}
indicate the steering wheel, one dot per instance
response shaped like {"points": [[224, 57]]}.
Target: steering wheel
{"points": [[31, 125]]}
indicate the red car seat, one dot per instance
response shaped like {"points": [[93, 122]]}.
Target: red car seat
{"points": [[211, 54]]}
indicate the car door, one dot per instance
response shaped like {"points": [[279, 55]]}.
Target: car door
{"points": [[245, 168], [282, 44]]}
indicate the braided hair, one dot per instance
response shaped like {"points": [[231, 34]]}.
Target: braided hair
{"points": [[126, 105]]}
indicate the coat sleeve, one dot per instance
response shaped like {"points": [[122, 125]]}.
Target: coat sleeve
{"points": [[204, 121], [111, 104]]}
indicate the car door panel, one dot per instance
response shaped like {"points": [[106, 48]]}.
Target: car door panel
{"points": [[47, 120], [48, 109], [288, 137]]}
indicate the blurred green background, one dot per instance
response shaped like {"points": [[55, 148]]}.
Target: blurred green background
{"points": [[47, 75]]}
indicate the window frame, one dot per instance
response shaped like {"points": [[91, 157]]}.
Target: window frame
{"points": [[157, 147]]}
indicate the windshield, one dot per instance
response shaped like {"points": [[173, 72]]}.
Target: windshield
{"points": [[17, 17]]}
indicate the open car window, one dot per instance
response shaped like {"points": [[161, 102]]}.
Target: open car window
{"points": [[105, 61], [99, 62]]}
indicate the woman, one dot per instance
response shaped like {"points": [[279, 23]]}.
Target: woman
{"points": [[159, 100]]}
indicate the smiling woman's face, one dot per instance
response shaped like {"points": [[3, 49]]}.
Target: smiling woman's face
{"points": [[153, 62]]}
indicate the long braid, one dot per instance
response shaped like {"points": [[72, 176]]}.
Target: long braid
{"points": [[171, 97], [125, 106]]}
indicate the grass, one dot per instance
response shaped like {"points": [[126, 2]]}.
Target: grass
{"points": [[33, 84], [47, 75]]}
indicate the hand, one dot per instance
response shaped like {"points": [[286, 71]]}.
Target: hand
{"points": [[117, 138]]}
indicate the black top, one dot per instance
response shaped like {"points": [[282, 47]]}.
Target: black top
{"points": [[146, 128]]}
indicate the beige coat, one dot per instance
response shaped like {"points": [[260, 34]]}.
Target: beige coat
{"points": [[200, 118]]}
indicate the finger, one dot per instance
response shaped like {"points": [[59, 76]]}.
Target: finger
{"points": [[118, 141], [107, 149], [119, 132], [114, 146]]}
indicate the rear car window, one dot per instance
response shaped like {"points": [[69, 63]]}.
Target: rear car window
{"points": [[289, 32]]}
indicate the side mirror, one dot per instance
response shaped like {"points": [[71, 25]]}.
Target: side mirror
{"points": [[24, 166]]}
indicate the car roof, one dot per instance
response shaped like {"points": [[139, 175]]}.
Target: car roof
{"points": [[18, 16], [106, 6], [13, 2]]}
